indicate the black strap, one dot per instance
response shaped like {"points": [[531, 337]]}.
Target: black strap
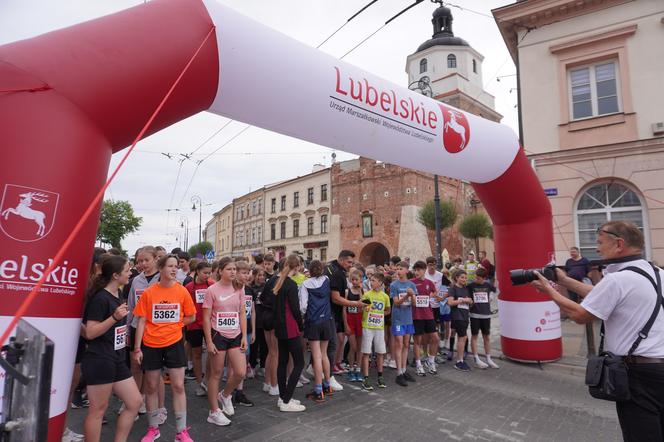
{"points": [[658, 303]]}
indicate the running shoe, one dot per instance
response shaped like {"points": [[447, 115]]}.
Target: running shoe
{"points": [[433, 369], [462, 366], [183, 436], [260, 371], [350, 376], [79, 400], [299, 384], [305, 380], [243, 400], [152, 435], [407, 376], [226, 404], [420, 371], [440, 360], [401, 381], [381, 382], [274, 391], [70, 436], [218, 418], [250, 372], [189, 375], [366, 385], [162, 416], [392, 364], [481, 364], [291, 407], [338, 370], [142, 409], [310, 370], [293, 400], [201, 390], [328, 391], [316, 397], [492, 364], [358, 376], [266, 388], [336, 386]]}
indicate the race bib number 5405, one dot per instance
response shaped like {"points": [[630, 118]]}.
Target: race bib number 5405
{"points": [[228, 320]]}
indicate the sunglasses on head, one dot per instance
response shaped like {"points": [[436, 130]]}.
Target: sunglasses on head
{"points": [[608, 233]]}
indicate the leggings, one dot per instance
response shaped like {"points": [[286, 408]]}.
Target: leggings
{"points": [[289, 347], [258, 353]]}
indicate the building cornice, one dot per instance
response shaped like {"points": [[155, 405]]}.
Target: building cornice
{"points": [[623, 32], [630, 148]]}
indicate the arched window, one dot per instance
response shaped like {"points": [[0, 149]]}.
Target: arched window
{"points": [[423, 65], [608, 201], [451, 61]]}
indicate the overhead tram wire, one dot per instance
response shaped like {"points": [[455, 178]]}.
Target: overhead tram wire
{"points": [[415, 3]]}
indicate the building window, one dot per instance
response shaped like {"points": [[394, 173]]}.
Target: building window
{"points": [[282, 229], [248, 210], [323, 255], [310, 195], [222, 244], [323, 224], [283, 202], [259, 234], [253, 208], [474, 66], [273, 205], [310, 226], [451, 61], [423, 65], [248, 236], [273, 231], [323, 192], [604, 202], [310, 254], [253, 235], [296, 228], [593, 90], [296, 199], [260, 206]]}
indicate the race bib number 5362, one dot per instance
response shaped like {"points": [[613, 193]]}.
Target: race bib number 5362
{"points": [[165, 313]]}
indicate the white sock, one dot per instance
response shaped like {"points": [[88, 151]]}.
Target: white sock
{"points": [[418, 363], [432, 360], [477, 357], [488, 358]]}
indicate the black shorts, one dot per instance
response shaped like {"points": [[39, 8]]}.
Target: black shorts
{"points": [[194, 337], [436, 315], [318, 332], [460, 327], [172, 356], [80, 350], [131, 337], [339, 325], [268, 320], [224, 344], [477, 324], [424, 326], [99, 371]]}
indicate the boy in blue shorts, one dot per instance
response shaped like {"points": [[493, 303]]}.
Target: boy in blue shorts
{"points": [[402, 292]]}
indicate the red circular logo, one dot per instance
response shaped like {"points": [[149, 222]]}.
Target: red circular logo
{"points": [[456, 130]]}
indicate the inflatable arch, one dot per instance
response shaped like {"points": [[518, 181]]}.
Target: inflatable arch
{"points": [[70, 98]]}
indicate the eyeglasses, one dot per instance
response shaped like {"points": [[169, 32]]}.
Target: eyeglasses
{"points": [[608, 233]]}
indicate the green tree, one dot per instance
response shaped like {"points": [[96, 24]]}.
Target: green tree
{"points": [[476, 226], [201, 248], [116, 222], [448, 215]]}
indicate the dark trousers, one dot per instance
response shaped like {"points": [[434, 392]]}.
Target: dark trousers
{"points": [[258, 350], [332, 344], [289, 347], [642, 417]]}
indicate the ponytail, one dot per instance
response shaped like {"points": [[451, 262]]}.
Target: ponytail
{"points": [[292, 263], [110, 265]]}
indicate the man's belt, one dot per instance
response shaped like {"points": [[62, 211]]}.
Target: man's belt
{"points": [[643, 360]]}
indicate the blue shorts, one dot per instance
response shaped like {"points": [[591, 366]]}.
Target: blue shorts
{"points": [[400, 330], [446, 318]]}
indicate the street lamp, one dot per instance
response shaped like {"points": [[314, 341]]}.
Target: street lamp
{"points": [[423, 86], [197, 199], [184, 223]]}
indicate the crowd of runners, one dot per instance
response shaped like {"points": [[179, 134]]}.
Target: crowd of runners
{"points": [[162, 319]]}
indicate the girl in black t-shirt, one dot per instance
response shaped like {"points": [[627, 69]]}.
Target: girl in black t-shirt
{"points": [[459, 299], [104, 366]]}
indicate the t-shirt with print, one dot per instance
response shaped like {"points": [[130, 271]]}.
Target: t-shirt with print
{"points": [[422, 306], [374, 316], [197, 292], [226, 303], [481, 295], [402, 314], [437, 279], [111, 344], [164, 310], [459, 312]]}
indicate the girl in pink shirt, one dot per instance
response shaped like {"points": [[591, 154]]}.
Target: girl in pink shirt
{"points": [[225, 329]]}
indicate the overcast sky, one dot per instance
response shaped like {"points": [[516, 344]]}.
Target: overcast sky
{"points": [[258, 157]]}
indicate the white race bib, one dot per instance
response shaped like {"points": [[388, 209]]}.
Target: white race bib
{"points": [[165, 313], [375, 319], [421, 301], [228, 320], [248, 301], [481, 297], [120, 338], [464, 306], [403, 295], [351, 309], [200, 296]]}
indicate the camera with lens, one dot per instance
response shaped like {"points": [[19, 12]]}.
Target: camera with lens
{"points": [[524, 276]]}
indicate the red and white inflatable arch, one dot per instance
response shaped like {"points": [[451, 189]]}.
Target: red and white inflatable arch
{"points": [[70, 98]]}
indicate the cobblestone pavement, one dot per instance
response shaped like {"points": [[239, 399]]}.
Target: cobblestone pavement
{"points": [[515, 403]]}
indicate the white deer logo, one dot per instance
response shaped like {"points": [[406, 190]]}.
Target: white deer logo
{"points": [[23, 209], [456, 127]]}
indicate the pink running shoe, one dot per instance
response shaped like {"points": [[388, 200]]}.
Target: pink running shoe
{"points": [[183, 436], [152, 435]]}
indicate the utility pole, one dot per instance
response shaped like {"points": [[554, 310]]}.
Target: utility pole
{"points": [[197, 199]]}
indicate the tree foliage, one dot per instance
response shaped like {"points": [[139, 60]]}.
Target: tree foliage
{"points": [[448, 215], [117, 220], [476, 226], [200, 249]]}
